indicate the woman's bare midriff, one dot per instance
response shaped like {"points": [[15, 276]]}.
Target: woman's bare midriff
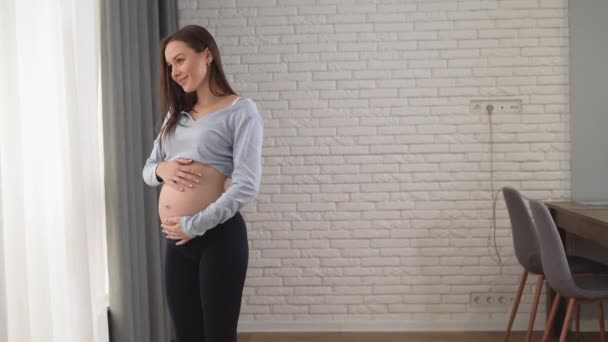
{"points": [[173, 202]]}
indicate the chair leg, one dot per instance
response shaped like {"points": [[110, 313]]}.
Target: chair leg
{"points": [[601, 314], [549, 324], [578, 320], [522, 284], [571, 304], [539, 288]]}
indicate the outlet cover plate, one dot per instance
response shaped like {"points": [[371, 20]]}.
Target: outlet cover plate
{"points": [[500, 106]]}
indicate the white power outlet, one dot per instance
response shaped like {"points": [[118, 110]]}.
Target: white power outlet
{"points": [[491, 299], [498, 106]]}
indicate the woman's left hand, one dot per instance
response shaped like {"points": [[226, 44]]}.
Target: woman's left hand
{"points": [[173, 229]]}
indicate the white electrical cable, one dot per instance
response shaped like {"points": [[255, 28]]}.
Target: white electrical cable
{"points": [[492, 235]]}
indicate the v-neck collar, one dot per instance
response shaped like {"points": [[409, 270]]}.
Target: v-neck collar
{"points": [[213, 113]]}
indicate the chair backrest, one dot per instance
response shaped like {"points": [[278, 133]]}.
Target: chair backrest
{"points": [[553, 255], [525, 241]]}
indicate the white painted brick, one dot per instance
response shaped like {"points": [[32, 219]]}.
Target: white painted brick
{"points": [[270, 244], [327, 309], [305, 10], [280, 253], [316, 207], [302, 281], [314, 29], [276, 207], [374, 201], [337, 75], [254, 3], [290, 198]]}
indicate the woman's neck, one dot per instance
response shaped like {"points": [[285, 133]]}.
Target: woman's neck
{"points": [[204, 96]]}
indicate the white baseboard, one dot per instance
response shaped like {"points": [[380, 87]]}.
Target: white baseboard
{"points": [[387, 325]]}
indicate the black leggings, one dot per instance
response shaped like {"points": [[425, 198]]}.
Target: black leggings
{"points": [[204, 281]]}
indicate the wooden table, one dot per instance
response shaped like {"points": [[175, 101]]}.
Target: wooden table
{"points": [[589, 222]]}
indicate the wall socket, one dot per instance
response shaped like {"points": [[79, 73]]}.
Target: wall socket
{"points": [[491, 299], [499, 106]]}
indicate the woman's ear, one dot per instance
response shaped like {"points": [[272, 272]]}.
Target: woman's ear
{"points": [[208, 56]]}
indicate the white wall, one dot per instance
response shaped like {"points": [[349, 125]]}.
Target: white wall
{"points": [[375, 206], [588, 85]]}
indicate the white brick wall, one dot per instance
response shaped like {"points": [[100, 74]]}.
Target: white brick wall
{"points": [[375, 206]]}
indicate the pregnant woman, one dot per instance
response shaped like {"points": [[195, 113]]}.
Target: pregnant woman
{"points": [[208, 158]]}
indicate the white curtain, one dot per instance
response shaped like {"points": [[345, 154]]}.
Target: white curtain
{"points": [[52, 249]]}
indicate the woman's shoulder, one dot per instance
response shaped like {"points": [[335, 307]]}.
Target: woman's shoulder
{"points": [[247, 111], [248, 103], [247, 106]]}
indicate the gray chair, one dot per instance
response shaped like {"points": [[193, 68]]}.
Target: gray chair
{"points": [[559, 275], [527, 251]]}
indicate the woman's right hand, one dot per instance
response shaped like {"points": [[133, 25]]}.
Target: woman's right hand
{"points": [[178, 173]]}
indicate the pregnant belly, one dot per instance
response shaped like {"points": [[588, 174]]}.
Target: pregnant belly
{"points": [[173, 202]]}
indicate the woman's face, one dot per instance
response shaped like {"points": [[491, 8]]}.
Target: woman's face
{"points": [[188, 67]]}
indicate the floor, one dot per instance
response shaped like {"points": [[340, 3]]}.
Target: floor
{"points": [[401, 337]]}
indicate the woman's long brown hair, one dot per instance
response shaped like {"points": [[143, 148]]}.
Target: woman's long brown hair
{"points": [[173, 98]]}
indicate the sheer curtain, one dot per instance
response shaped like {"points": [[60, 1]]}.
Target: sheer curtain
{"points": [[52, 254]]}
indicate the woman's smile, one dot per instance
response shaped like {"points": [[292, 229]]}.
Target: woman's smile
{"points": [[182, 81]]}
